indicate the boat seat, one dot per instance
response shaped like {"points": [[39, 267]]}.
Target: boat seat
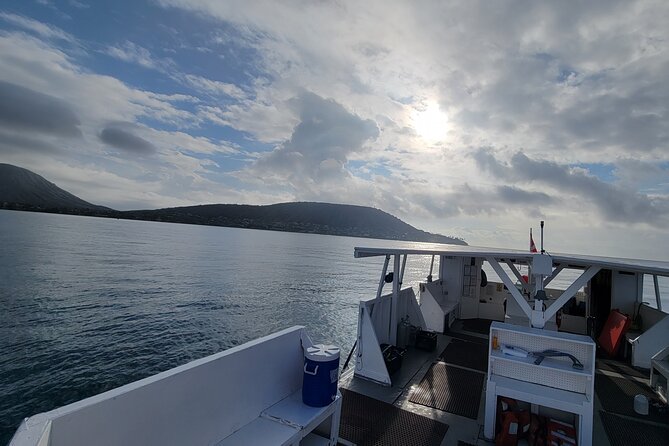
{"points": [[288, 422]]}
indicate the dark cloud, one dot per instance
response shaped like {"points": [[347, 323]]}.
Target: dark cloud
{"points": [[125, 140], [14, 143], [514, 195], [26, 109], [615, 203], [635, 121], [321, 143], [470, 200]]}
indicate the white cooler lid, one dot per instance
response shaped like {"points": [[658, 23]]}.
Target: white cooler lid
{"points": [[322, 352]]}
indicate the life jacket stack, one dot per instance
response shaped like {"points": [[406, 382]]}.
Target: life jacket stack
{"points": [[521, 427]]}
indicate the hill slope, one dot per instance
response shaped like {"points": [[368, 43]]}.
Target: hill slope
{"points": [[318, 218], [20, 186], [24, 190]]}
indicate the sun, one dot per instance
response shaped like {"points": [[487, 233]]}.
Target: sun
{"points": [[430, 123]]}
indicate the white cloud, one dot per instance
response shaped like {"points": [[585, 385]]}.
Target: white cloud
{"points": [[214, 87], [133, 53], [41, 29]]}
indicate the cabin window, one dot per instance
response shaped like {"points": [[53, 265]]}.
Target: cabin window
{"points": [[649, 291]]}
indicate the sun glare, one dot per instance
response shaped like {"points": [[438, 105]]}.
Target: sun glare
{"points": [[431, 123]]}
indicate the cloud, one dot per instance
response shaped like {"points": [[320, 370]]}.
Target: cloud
{"points": [[20, 143], [132, 53], [124, 139], [320, 144], [515, 196], [214, 87], [28, 109], [615, 203], [42, 29]]}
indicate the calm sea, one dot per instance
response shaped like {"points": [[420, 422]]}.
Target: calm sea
{"points": [[89, 304]]}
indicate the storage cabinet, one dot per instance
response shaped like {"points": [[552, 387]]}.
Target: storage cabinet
{"points": [[552, 383]]}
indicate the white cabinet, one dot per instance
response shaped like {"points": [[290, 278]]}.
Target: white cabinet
{"points": [[552, 382]]}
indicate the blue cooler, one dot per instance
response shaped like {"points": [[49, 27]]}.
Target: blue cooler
{"points": [[321, 373]]}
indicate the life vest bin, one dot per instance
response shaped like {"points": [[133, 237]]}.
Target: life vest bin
{"points": [[321, 374]]}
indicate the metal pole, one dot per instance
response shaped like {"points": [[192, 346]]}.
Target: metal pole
{"points": [[394, 300], [404, 264], [429, 276], [383, 277], [657, 292]]}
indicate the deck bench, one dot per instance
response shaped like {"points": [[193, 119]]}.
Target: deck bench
{"points": [[247, 395], [290, 422]]}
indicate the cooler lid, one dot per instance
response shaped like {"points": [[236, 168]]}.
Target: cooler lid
{"points": [[322, 352]]}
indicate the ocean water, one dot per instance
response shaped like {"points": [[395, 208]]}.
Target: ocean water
{"points": [[89, 304]]}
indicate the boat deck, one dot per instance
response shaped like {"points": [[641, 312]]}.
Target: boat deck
{"points": [[438, 398]]}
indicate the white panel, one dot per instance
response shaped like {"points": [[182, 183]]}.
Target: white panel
{"points": [[431, 310], [379, 314], [369, 361], [197, 403], [411, 308], [649, 343], [45, 440], [542, 264]]}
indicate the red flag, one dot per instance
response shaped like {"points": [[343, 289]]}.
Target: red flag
{"points": [[533, 247]]}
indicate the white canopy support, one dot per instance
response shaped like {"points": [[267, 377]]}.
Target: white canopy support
{"points": [[511, 287], [404, 264], [383, 277], [392, 337], [429, 276], [571, 291], [514, 270], [553, 275], [657, 292]]}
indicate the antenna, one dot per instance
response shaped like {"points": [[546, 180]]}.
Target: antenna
{"points": [[542, 237]]}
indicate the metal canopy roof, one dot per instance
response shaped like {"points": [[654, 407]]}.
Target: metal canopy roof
{"points": [[518, 256]]}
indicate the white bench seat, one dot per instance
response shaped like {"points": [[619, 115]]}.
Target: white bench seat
{"points": [[287, 422], [262, 432]]}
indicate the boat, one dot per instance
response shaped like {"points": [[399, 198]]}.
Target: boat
{"points": [[485, 345]]}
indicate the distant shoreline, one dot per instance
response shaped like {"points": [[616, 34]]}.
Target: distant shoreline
{"points": [[295, 227]]}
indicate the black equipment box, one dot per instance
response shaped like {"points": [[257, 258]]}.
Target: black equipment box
{"points": [[392, 356], [426, 340]]}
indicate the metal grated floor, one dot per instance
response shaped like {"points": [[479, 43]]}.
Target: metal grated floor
{"points": [[467, 337], [366, 421], [466, 354], [451, 389], [611, 365], [481, 326], [623, 431], [617, 396]]}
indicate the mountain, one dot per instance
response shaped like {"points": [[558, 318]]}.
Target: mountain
{"points": [[317, 218], [22, 189]]}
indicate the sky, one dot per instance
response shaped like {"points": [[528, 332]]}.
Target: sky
{"points": [[474, 119]]}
